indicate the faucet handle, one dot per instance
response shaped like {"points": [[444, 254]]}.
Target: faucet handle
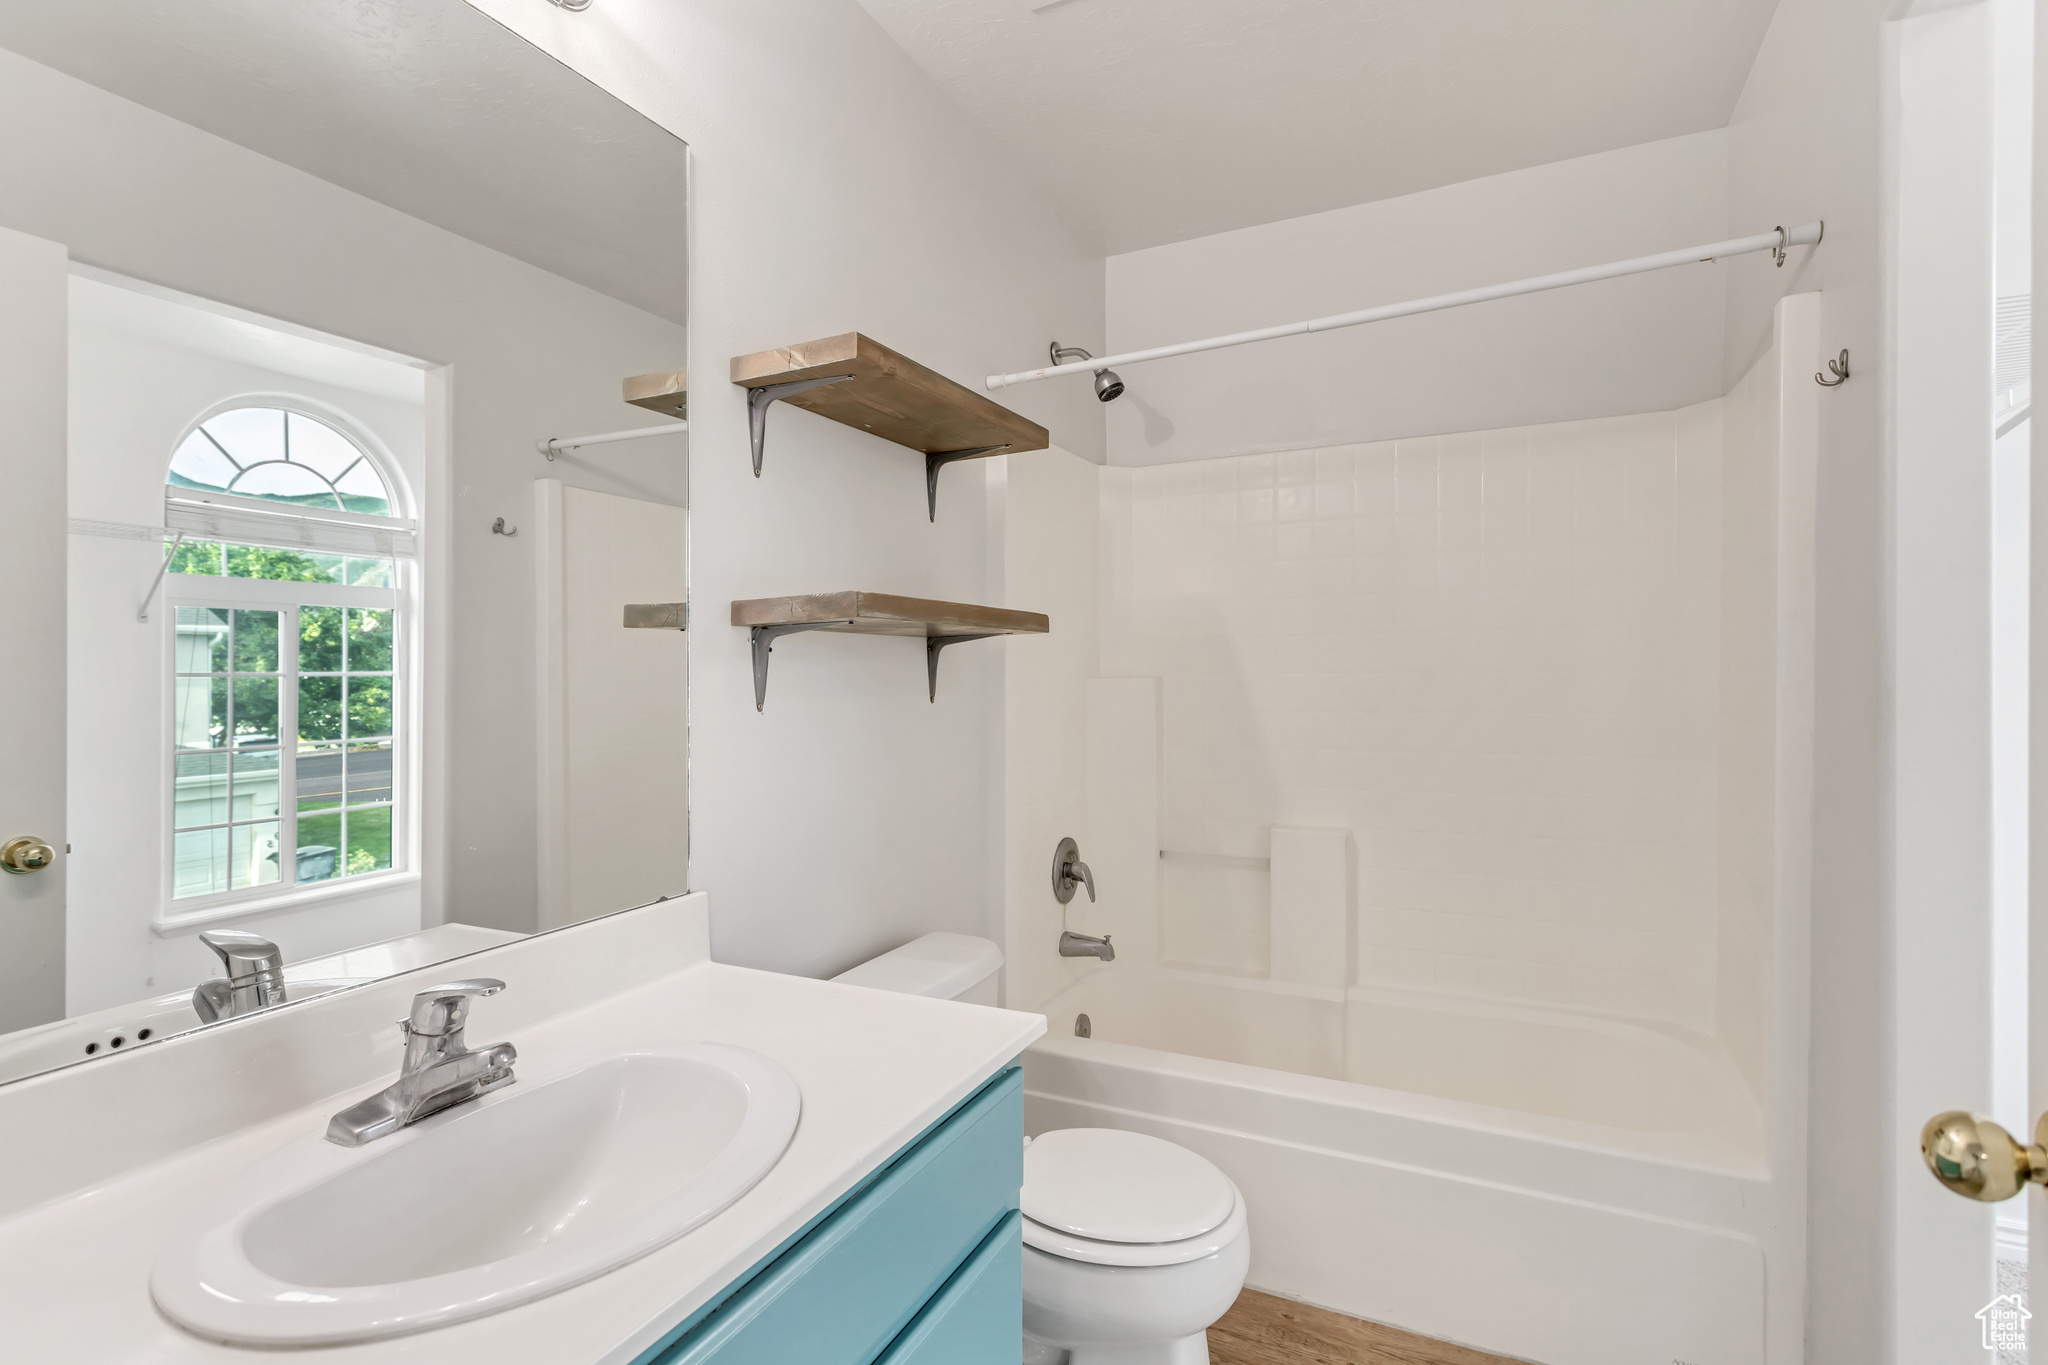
{"points": [[243, 954], [1068, 871], [442, 1010]]}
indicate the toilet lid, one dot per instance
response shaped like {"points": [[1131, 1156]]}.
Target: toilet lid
{"points": [[1111, 1186]]}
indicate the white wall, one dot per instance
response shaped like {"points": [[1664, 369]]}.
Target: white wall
{"points": [[834, 188], [519, 354], [1644, 344], [133, 397]]}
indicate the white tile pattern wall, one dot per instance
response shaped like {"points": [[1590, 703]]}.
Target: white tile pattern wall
{"points": [[1493, 657]]}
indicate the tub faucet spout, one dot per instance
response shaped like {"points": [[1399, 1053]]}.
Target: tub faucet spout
{"points": [[1086, 945]]}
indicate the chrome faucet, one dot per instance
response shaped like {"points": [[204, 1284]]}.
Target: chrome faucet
{"points": [[254, 980], [438, 1070], [1086, 945]]}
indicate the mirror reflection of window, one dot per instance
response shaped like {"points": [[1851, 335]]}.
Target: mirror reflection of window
{"points": [[280, 457], [286, 723]]}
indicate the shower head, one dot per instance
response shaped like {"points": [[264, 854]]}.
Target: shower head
{"points": [[1108, 387]]}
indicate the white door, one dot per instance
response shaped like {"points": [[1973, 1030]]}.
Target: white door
{"points": [[614, 736], [33, 304]]}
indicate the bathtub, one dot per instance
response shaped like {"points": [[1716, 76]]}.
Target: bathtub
{"points": [[1555, 1187]]}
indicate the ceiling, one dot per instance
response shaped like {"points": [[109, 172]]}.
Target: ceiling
{"points": [[1152, 121], [425, 105]]}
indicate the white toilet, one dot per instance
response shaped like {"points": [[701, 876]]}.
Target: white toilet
{"points": [[1132, 1245]]}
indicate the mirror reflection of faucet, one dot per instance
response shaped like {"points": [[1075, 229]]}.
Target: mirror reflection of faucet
{"points": [[254, 981]]}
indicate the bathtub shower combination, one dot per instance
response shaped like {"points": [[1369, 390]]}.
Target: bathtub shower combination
{"points": [[1449, 803]]}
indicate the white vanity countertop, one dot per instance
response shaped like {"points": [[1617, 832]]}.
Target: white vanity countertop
{"points": [[875, 1069]]}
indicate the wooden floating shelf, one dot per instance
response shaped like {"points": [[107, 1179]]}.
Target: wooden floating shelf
{"points": [[667, 393], [938, 624], [858, 381], [657, 616]]}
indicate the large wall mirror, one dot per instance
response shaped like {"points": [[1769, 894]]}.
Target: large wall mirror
{"points": [[291, 297]]}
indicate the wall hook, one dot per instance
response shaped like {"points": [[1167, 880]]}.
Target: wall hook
{"points": [[499, 528], [1839, 369]]}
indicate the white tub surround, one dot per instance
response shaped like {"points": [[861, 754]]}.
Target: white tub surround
{"points": [[1452, 814], [100, 1165]]}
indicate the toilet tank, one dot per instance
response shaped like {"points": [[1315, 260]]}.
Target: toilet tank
{"points": [[950, 966]]}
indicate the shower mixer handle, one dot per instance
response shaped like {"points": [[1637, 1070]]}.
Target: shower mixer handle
{"points": [[1068, 872]]}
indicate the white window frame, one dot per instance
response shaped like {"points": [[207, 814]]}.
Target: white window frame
{"points": [[236, 520], [251, 594]]}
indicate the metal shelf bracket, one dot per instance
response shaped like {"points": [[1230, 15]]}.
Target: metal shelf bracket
{"points": [[764, 638], [759, 399], [936, 460], [933, 644]]}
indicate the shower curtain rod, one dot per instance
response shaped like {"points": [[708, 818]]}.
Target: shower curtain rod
{"points": [[1775, 241], [561, 445]]}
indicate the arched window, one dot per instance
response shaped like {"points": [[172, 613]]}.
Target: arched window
{"points": [[290, 662], [280, 456]]}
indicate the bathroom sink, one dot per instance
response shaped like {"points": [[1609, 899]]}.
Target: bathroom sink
{"points": [[491, 1204]]}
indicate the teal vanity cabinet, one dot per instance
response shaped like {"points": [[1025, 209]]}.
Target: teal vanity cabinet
{"points": [[921, 1264]]}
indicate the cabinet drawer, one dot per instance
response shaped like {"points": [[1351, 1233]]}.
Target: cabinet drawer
{"points": [[845, 1289], [978, 1318]]}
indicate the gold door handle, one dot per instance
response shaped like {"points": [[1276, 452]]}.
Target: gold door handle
{"points": [[1980, 1160], [26, 854]]}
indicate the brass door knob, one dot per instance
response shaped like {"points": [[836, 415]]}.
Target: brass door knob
{"points": [[26, 854], [1980, 1160]]}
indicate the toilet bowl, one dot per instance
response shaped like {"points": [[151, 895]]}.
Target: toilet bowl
{"points": [[1132, 1245]]}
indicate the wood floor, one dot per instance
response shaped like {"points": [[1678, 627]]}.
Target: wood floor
{"points": [[1260, 1329]]}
